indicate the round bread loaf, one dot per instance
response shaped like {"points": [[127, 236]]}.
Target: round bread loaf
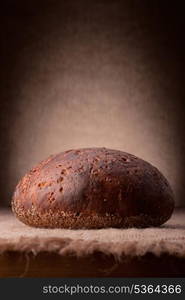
{"points": [[93, 188]]}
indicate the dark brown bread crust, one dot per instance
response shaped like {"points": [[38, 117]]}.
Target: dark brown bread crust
{"points": [[93, 188]]}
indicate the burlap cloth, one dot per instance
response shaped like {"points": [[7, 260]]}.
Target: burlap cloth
{"points": [[169, 238]]}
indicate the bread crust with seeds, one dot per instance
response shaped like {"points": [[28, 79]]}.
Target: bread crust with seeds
{"points": [[93, 188]]}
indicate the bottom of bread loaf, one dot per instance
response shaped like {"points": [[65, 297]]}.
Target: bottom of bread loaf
{"points": [[61, 219]]}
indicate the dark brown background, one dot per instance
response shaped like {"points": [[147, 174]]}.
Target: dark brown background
{"points": [[92, 73]]}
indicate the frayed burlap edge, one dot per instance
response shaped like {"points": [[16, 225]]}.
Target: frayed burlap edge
{"points": [[67, 246]]}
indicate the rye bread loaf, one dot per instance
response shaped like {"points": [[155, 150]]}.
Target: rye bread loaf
{"points": [[93, 188]]}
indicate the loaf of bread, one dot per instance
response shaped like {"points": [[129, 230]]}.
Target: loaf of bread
{"points": [[93, 188]]}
